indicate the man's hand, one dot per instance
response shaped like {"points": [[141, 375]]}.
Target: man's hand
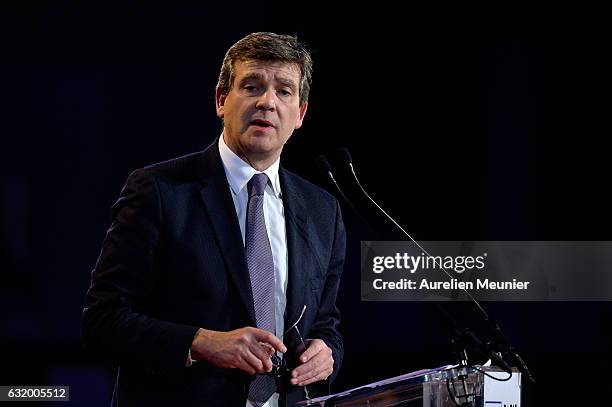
{"points": [[247, 349], [316, 363]]}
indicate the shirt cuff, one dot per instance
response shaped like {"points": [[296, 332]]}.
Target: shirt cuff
{"points": [[190, 361]]}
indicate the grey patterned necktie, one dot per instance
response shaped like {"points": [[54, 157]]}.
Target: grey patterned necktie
{"points": [[261, 272]]}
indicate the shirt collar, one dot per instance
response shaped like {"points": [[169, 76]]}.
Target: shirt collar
{"points": [[239, 172]]}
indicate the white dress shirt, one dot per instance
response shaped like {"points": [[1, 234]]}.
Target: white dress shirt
{"points": [[238, 174]]}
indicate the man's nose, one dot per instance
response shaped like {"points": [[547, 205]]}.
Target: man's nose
{"points": [[266, 100]]}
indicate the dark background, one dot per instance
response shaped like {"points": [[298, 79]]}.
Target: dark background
{"points": [[478, 121]]}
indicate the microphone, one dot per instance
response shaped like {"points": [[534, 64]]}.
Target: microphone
{"points": [[347, 160], [476, 343], [505, 345], [324, 166]]}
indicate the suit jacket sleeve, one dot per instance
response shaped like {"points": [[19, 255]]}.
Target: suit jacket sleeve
{"points": [[326, 324], [115, 318]]}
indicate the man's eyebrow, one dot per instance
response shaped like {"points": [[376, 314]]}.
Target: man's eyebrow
{"points": [[251, 76], [287, 82]]}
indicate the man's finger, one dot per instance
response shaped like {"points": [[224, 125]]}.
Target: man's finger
{"points": [[248, 363], [269, 338], [321, 376], [267, 348], [305, 368], [307, 374], [262, 356], [312, 367], [314, 347], [319, 368]]}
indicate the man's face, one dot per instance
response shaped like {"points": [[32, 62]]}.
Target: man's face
{"points": [[261, 109]]}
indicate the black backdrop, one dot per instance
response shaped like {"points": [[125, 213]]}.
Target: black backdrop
{"points": [[479, 121]]}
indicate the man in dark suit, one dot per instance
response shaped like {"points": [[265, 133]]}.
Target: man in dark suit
{"points": [[213, 257]]}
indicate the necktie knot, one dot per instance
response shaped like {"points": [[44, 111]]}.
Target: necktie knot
{"points": [[257, 184]]}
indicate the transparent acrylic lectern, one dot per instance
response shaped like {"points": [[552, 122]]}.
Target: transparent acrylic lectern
{"points": [[447, 386]]}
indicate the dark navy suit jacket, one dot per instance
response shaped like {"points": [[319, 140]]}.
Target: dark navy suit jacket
{"points": [[173, 260]]}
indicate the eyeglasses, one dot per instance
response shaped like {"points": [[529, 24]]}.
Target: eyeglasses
{"points": [[280, 370]]}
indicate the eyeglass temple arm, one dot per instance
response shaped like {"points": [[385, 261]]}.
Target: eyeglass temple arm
{"points": [[296, 322]]}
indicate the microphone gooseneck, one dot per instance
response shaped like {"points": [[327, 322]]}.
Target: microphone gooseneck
{"points": [[346, 157]]}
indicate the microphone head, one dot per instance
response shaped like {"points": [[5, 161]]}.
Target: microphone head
{"points": [[323, 164], [344, 156]]}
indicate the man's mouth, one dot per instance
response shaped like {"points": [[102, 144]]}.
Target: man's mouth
{"points": [[261, 123]]}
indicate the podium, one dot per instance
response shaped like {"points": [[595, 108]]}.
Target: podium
{"points": [[446, 386]]}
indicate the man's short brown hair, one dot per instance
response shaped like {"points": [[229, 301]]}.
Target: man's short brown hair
{"points": [[266, 46]]}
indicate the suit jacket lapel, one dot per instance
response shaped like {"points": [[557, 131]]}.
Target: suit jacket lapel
{"points": [[296, 223], [219, 206]]}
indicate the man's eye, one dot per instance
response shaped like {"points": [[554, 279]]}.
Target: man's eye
{"points": [[285, 92], [250, 88]]}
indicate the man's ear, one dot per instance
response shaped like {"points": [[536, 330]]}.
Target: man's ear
{"points": [[220, 102], [300, 118]]}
